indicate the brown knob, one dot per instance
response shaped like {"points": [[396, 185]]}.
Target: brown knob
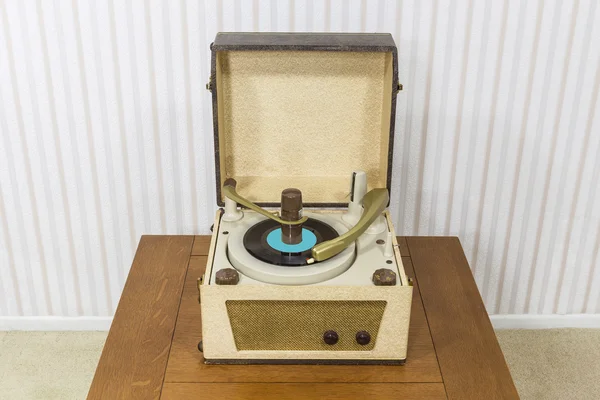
{"points": [[363, 338], [384, 277], [227, 276], [291, 210], [330, 337]]}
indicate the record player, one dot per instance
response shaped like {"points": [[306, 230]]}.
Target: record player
{"points": [[304, 265]]}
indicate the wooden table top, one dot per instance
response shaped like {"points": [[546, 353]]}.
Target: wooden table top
{"points": [[151, 349]]}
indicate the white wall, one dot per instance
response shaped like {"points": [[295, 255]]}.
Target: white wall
{"points": [[106, 135]]}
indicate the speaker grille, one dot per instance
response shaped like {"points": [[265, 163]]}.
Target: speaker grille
{"points": [[300, 325]]}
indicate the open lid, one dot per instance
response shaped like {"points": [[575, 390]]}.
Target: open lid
{"points": [[303, 110]]}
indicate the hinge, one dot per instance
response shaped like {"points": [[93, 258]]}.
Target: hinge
{"points": [[209, 84], [398, 87]]}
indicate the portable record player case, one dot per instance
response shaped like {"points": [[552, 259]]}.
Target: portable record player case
{"points": [[303, 111]]}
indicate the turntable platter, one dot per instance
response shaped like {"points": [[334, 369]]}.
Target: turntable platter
{"points": [[263, 241], [255, 255]]}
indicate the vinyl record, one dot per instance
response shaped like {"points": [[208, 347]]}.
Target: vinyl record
{"points": [[263, 241]]}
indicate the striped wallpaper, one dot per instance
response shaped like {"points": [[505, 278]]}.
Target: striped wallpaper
{"points": [[106, 127]]}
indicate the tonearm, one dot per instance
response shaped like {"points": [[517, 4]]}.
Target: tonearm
{"points": [[374, 203]]}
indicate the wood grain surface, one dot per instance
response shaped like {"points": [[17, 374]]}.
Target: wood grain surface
{"points": [[201, 245], [304, 391], [470, 358], [186, 364], [403, 246], [134, 358], [151, 348]]}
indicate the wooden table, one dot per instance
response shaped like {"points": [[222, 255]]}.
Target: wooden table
{"points": [[151, 349]]}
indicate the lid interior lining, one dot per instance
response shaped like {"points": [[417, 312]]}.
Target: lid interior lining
{"points": [[303, 119]]}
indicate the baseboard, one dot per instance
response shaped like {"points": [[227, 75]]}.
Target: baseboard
{"points": [[513, 321], [549, 321], [55, 323]]}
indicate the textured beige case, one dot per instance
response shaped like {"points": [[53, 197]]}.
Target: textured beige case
{"points": [[390, 343]]}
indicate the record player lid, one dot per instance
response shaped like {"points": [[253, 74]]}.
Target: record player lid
{"points": [[304, 111]]}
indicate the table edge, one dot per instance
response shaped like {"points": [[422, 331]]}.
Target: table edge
{"points": [[426, 272]]}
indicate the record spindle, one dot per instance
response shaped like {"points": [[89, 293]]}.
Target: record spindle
{"points": [[291, 210]]}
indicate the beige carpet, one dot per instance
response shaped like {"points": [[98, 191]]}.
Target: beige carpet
{"points": [[553, 363], [48, 365], [545, 364]]}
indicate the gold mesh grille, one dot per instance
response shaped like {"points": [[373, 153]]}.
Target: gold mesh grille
{"points": [[300, 325]]}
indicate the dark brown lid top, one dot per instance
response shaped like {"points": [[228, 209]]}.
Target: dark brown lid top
{"points": [[304, 41]]}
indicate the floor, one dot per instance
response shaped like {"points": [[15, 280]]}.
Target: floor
{"points": [[553, 363], [545, 364], [48, 365]]}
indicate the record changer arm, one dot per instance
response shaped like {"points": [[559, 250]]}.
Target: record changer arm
{"points": [[374, 202], [230, 192]]}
